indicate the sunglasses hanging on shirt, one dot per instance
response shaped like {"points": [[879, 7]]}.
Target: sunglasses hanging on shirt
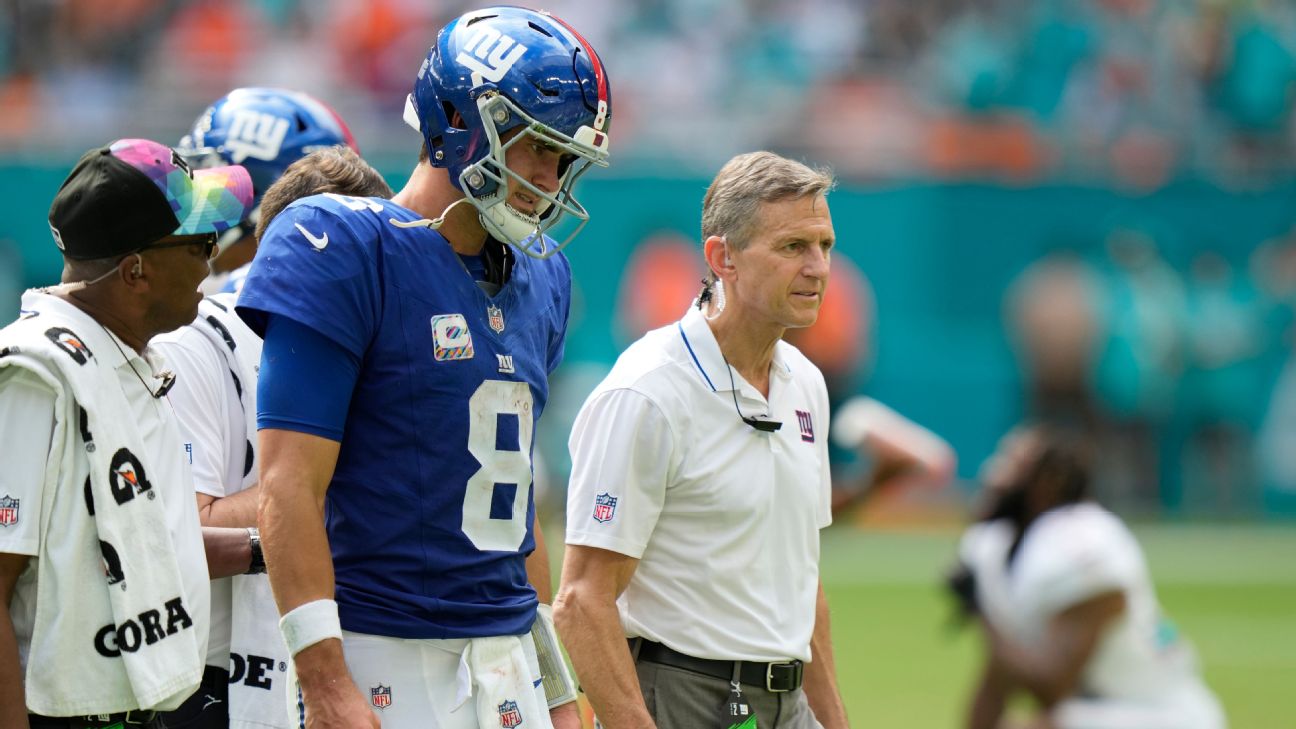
{"points": [[764, 426]]}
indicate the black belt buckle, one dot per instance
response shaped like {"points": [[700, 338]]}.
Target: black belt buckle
{"points": [[789, 676]]}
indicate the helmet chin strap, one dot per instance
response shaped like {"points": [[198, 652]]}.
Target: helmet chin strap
{"points": [[509, 224], [498, 223], [433, 223]]}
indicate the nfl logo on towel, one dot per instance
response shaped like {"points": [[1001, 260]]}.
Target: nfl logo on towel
{"points": [[380, 696], [8, 511], [604, 507], [509, 714]]}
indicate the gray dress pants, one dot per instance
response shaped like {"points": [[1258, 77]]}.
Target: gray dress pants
{"points": [[680, 699]]}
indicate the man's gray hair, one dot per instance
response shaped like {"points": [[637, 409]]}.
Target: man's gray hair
{"points": [[731, 207]]}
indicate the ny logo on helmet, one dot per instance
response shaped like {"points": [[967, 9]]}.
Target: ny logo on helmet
{"points": [[257, 135], [489, 55]]}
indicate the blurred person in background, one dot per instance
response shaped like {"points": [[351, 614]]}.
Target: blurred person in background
{"points": [[693, 513], [263, 130], [407, 349], [1062, 595], [216, 359], [1232, 362], [1138, 368], [104, 592], [1053, 315]]}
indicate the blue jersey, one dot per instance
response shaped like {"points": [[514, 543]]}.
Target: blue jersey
{"points": [[430, 509]]}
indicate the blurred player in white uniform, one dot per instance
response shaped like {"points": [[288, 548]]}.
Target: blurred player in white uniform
{"points": [[1066, 603]]}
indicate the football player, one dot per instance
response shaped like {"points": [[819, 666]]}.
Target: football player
{"points": [[407, 349], [215, 359], [265, 130], [1066, 603]]}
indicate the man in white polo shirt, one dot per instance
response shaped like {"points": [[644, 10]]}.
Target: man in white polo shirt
{"points": [[700, 483]]}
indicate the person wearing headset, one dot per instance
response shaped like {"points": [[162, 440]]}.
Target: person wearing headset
{"points": [[700, 482], [103, 564]]}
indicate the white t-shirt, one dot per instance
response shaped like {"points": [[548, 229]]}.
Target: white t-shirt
{"points": [[217, 443], [215, 399], [1069, 555], [723, 519], [27, 413]]}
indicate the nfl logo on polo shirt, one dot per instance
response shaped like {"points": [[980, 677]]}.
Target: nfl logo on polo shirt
{"points": [[380, 696], [604, 507], [509, 714], [451, 339], [8, 511]]}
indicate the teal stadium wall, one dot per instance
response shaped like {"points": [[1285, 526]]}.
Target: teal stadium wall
{"points": [[939, 258]]}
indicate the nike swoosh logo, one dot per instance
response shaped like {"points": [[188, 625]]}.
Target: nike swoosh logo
{"points": [[319, 243]]}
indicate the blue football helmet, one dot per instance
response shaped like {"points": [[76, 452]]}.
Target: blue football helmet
{"points": [[493, 71], [264, 130]]}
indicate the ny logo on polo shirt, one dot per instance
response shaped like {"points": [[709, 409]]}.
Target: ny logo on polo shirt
{"points": [[807, 426]]}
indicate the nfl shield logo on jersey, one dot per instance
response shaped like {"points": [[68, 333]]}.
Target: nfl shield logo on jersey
{"points": [[509, 714], [451, 339], [8, 511], [380, 696], [604, 507], [495, 317]]}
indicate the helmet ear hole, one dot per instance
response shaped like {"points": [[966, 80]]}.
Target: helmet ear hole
{"points": [[456, 119]]}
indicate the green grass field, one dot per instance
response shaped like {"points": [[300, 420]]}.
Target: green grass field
{"points": [[1231, 589]]}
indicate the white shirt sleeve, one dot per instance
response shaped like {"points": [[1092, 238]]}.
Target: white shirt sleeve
{"points": [[200, 404], [25, 431], [623, 451], [1090, 559]]}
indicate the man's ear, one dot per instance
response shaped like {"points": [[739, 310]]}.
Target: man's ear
{"points": [[715, 250]]}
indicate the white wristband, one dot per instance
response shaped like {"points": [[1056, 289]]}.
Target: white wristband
{"points": [[308, 624]]}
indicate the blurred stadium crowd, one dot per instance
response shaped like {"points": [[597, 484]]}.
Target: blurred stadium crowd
{"points": [[1184, 375], [1140, 90]]}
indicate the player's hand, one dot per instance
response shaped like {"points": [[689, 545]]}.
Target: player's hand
{"points": [[331, 697], [566, 716], [340, 706], [961, 583]]}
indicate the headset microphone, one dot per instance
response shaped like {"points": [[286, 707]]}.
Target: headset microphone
{"points": [[764, 426]]}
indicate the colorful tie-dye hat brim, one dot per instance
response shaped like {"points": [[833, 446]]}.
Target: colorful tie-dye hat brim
{"points": [[205, 201], [133, 192]]}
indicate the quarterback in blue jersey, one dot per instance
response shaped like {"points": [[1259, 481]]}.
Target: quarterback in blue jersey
{"points": [[407, 349]]}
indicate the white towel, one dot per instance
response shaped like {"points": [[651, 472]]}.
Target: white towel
{"points": [[134, 569], [495, 672], [259, 698]]}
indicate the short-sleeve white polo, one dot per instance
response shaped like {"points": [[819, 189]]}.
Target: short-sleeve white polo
{"points": [[724, 519]]}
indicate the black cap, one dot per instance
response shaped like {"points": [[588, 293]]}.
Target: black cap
{"points": [[124, 196]]}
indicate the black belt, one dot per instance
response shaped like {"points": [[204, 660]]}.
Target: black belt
{"points": [[774, 677], [93, 721]]}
